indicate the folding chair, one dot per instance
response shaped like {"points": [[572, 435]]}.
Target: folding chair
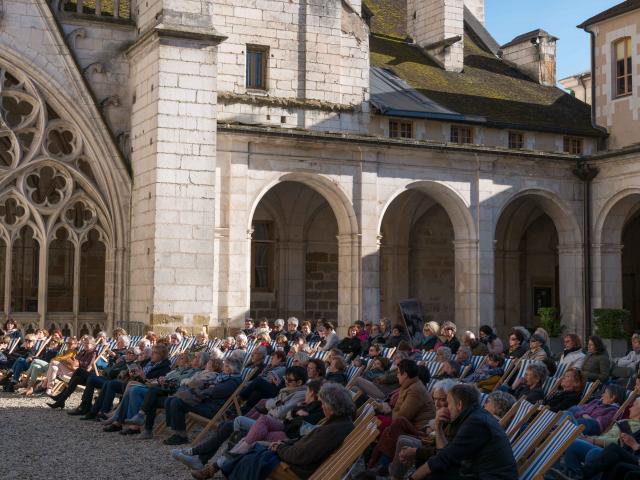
{"points": [[560, 370], [521, 415], [428, 357], [550, 385], [388, 352], [483, 398], [509, 366], [477, 361], [550, 451], [352, 373], [534, 434], [589, 389], [631, 397]]}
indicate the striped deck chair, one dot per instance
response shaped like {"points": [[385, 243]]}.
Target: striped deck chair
{"points": [[630, 398], [550, 385], [352, 373], [41, 345], [534, 434], [321, 355], [388, 352], [483, 398], [13, 343], [134, 340], [550, 451], [435, 368], [589, 390], [509, 366], [516, 417], [313, 345], [477, 361], [561, 368], [289, 362], [428, 357]]}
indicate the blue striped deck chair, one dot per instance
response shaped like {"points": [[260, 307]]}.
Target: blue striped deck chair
{"points": [[388, 352], [477, 361], [550, 451], [13, 343], [40, 345], [561, 368], [135, 340], [589, 390], [320, 355], [431, 384], [509, 366], [250, 346], [534, 434], [428, 356], [483, 399], [289, 362], [435, 368], [174, 350], [352, 372], [516, 417], [550, 385], [213, 344], [630, 397], [313, 345], [63, 348]]}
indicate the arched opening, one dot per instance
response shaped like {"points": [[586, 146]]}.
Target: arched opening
{"points": [[66, 330], [294, 254], [538, 263], [25, 261], [93, 254], [96, 330], [631, 268], [60, 273], [85, 330], [417, 257]]}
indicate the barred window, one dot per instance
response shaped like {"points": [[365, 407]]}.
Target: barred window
{"points": [[461, 134], [573, 145], [516, 140], [399, 129]]}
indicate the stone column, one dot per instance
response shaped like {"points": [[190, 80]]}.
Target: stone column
{"points": [[367, 206], [466, 286], [348, 281], [607, 275], [571, 293], [173, 81]]}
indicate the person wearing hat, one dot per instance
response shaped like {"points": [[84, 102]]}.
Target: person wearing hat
{"points": [[536, 348]]}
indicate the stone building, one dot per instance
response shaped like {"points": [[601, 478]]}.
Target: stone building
{"points": [[193, 162]]}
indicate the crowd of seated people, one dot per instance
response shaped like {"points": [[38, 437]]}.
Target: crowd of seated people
{"points": [[287, 392]]}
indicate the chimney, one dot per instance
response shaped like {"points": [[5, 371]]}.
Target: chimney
{"points": [[477, 8], [534, 53], [437, 26]]}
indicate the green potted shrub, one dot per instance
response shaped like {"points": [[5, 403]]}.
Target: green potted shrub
{"points": [[610, 324], [550, 321]]}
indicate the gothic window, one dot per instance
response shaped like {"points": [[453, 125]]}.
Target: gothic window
{"points": [[92, 273], [60, 273], [263, 255], [25, 272], [623, 67], [54, 222]]}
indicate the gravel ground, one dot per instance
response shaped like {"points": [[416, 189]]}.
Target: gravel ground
{"points": [[40, 443]]}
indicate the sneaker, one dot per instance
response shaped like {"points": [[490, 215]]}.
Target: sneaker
{"points": [[176, 440], [145, 435], [191, 461], [137, 419]]}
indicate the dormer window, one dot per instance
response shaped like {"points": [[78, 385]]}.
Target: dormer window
{"points": [[460, 134], [623, 67], [400, 129]]}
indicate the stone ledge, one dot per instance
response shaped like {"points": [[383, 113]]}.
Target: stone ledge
{"points": [[229, 98]]}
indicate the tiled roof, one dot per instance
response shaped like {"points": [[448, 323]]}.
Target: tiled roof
{"points": [[488, 88], [614, 11]]}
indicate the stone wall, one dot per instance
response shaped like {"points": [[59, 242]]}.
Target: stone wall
{"points": [[321, 285]]}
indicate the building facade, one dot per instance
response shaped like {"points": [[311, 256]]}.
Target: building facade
{"points": [[196, 162]]}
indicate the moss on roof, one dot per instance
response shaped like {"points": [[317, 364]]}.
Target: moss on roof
{"points": [[488, 87]]}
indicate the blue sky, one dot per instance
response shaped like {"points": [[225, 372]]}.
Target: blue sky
{"points": [[506, 19]]}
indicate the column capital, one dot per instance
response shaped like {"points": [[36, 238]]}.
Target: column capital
{"points": [[467, 243], [570, 248], [608, 247]]}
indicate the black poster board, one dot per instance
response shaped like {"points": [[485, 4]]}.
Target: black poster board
{"points": [[411, 312]]}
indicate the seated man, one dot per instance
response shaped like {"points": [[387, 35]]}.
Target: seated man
{"points": [[22, 358], [83, 362], [267, 384], [204, 398], [479, 445]]}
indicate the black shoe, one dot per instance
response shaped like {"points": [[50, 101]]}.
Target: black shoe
{"points": [[89, 416], [56, 404], [129, 431], [77, 411], [112, 428], [100, 416], [176, 440]]}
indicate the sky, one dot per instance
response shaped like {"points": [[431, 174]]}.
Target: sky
{"points": [[506, 19]]}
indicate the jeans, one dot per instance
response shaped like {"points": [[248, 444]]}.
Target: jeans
{"points": [[243, 424], [154, 398], [136, 395], [577, 454], [176, 412], [93, 382], [38, 367], [255, 391], [397, 469], [104, 403], [207, 449], [608, 458], [20, 365]]}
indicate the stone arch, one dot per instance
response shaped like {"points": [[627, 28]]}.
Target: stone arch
{"points": [[462, 247], [348, 239], [616, 278], [518, 277]]}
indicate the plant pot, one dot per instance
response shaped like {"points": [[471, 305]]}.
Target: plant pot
{"points": [[617, 347], [556, 346]]}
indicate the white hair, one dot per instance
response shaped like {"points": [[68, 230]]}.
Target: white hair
{"points": [[293, 320], [279, 322]]}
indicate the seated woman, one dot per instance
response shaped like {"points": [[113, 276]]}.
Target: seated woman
{"points": [[11, 329], [588, 448], [201, 395], [448, 336], [596, 364], [536, 348], [156, 366], [499, 403], [336, 371], [381, 387], [22, 357], [316, 369], [398, 335], [597, 414], [39, 367], [130, 408], [411, 412], [267, 384], [4, 351], [517, 344], [373, 352], [378, 368], [282, 343], [488, 374], [477, 347], [450, 369], [529, 386], [61, 364], [351, 344], [375, 337], [417, 442], [82, 363], [490, 339], [328, 336], [304, 455], [430, 340], [443, 354], [300, 359], [569, 392]]}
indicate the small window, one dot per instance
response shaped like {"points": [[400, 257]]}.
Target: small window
{"points": [[573, 145], [624, 68], [399, 129], [257, 67], [516, 140], [263, 256], [461, 134]]}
